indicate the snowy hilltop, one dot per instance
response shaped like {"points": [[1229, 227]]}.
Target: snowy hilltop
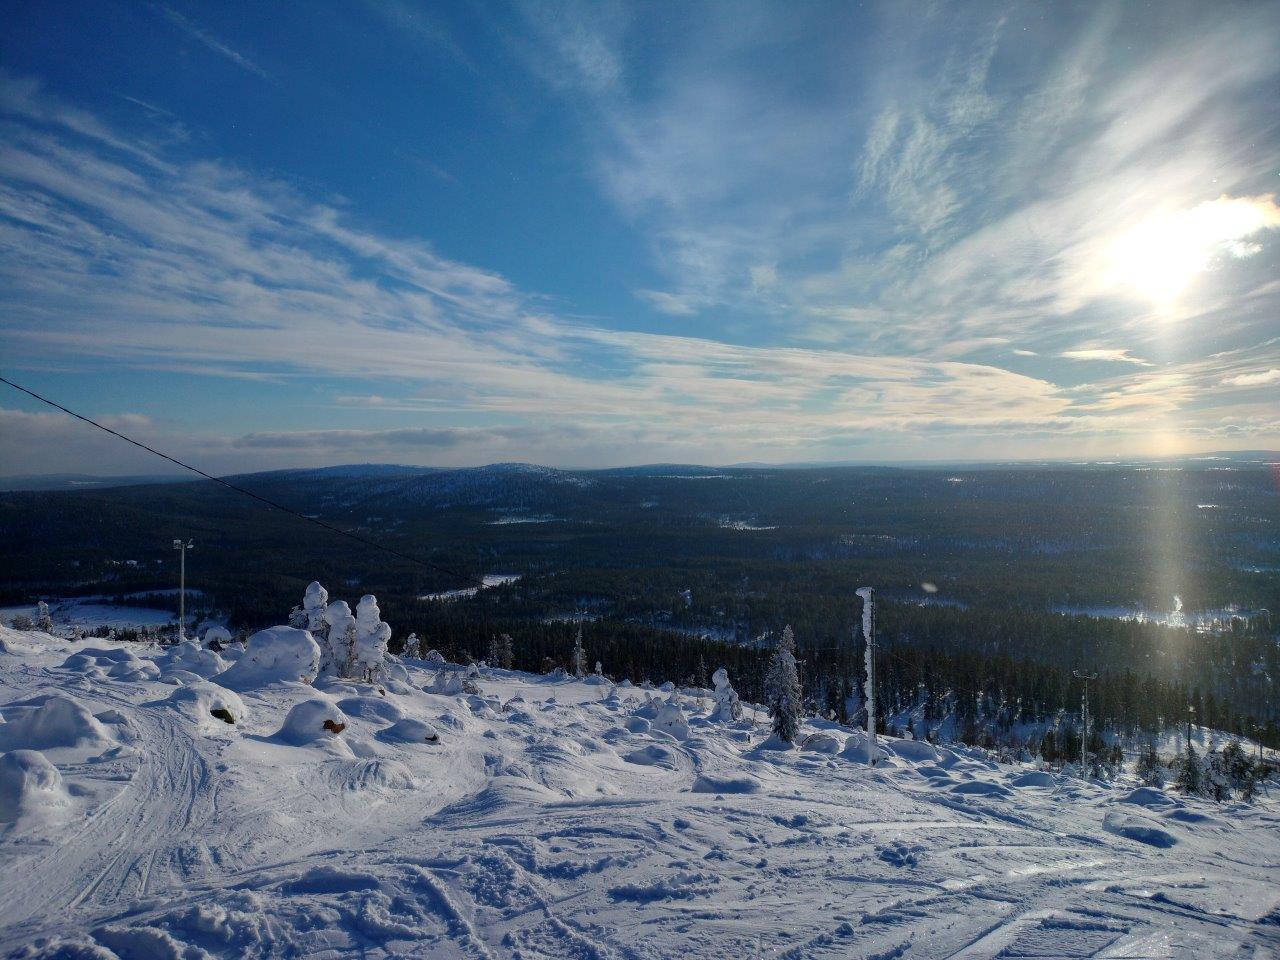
{"points": [[310, 794]]}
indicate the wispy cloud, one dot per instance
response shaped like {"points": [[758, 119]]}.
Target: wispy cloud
{"points": [[202, 36]]}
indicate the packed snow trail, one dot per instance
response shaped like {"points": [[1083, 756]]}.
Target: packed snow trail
{"points": [[551, 819]]}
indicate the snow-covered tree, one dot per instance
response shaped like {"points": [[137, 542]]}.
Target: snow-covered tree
{"points": [[339, 649], [671, 719], [43, 620], [412, 647], [782, 692], [728, 707], [1190, 776], [1148, 768], [434, 658], [579, 662], [369, 651], [501, 652]]}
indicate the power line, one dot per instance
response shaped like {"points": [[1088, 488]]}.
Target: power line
{"points": [[477, 581]]}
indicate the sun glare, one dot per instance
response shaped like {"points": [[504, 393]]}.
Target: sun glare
{"points": [[1160, 257]]}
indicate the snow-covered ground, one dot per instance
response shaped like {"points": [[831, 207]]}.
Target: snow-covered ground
{"points": [[549, 819], [90, 612]]}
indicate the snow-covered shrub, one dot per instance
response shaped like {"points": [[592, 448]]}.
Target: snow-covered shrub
{"points": [[412, 647], [728, 707], [471, 684], [671, 720], [189, 656], [782, 689], [372, 635], [43, 620], [447, 683], [20, 621], [274, 655], [217, 637], [434, 658]]}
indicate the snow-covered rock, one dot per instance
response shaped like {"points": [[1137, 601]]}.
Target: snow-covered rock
{"points": [[275, 655], [410, 730], [212, 707], [311, 720]]}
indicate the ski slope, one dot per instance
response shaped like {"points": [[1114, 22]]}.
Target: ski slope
{"points": [[550, 819]]}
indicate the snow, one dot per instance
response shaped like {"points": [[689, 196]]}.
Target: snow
{"points": [[30, 786], [274, 655], [555, 818]]}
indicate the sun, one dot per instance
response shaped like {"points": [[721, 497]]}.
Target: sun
{"points": [[1160, 257]]}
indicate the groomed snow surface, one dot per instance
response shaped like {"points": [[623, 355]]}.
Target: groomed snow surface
{"points": [[149, 811]]}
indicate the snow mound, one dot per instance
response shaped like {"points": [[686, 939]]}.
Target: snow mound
{"points": [[275, 655], [312, 720], [1139, 829], [212, 707], [980, 788], [1032, 778], [654, 755], [821, 743], [117, 664], [410, 730], [739, 783], [29, 786], [217, 634], [916, 751], [371, 708], [671, 721], [1146, 797], [190, 657], [52, 721], [377, 773]]}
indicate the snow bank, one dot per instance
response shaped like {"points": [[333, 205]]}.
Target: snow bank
{"points": [[50, 721], [274, 655], [30, 786], [312, 720], [212, 707], [737, 783], [1138, 828]]}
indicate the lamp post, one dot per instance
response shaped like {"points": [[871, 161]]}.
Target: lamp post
{"points": [[182, 547]]}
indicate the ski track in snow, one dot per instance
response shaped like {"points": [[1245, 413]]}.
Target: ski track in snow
{"points": [[529, 834]]}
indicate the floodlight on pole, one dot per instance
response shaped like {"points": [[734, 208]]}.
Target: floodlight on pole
{"points": [[182, 547]]}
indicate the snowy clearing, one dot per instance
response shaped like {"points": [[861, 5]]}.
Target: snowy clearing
{"points": [[148, 811]]}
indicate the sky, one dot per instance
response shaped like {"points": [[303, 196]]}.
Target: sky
{"points": [[596, 234]]}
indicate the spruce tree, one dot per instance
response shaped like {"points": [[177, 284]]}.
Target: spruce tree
{"points": [[782, 689]]}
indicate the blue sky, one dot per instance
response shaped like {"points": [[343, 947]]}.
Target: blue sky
{"points": [[267, 235]]}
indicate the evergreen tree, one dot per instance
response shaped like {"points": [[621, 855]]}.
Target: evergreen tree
{"points": [[782, 689], [1148, 768], [579, 662], [1190, 780]]}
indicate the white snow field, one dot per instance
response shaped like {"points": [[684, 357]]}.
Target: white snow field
{"points": [[554, 818]]}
